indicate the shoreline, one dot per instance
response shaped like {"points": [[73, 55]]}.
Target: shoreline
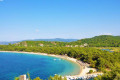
{"points": [[82, 72]]}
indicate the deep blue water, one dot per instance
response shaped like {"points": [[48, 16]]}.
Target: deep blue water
{"points": [[15, 64]]}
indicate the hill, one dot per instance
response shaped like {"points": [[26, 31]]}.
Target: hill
{"points": [[101, 41], [40, 44], [6, 43], [97, 41], [56, 39]]}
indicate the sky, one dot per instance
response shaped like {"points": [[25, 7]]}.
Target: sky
{"points": [[44, 19]]}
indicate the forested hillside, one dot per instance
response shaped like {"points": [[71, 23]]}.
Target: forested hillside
{"points": [[41, 44], [97, 41], [101, 41]]}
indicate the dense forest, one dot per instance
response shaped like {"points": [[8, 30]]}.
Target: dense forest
{"points": [[97, 41], [40, 44], [101, 41]]}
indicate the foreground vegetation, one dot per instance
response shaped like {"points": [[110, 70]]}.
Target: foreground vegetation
{"points": [[56, 77]]}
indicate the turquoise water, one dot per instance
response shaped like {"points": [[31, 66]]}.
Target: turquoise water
{"points": [[107, 50], [15, 64]]}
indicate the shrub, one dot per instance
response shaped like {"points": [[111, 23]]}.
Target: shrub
{"points": [[90, 71]]}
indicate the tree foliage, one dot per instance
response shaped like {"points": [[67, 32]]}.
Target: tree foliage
{"points": [[97, 41]]}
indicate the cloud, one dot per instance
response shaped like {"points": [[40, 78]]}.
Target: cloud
{"points": [[37, 30], [106, 34]]}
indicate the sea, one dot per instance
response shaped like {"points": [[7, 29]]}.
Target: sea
{"points": [[15, 64]]}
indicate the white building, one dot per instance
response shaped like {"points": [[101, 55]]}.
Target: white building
{"points": [[22, 77]]}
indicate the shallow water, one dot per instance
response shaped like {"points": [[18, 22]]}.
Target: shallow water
{"points": [[107, 50], [15, 64]]}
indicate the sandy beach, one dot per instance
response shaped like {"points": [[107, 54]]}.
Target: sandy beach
{"points": [[82, 72]]}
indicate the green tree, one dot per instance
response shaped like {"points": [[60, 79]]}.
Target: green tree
{"points": [[16, 78], [29, 76], [37, 78], [90, 71]]}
